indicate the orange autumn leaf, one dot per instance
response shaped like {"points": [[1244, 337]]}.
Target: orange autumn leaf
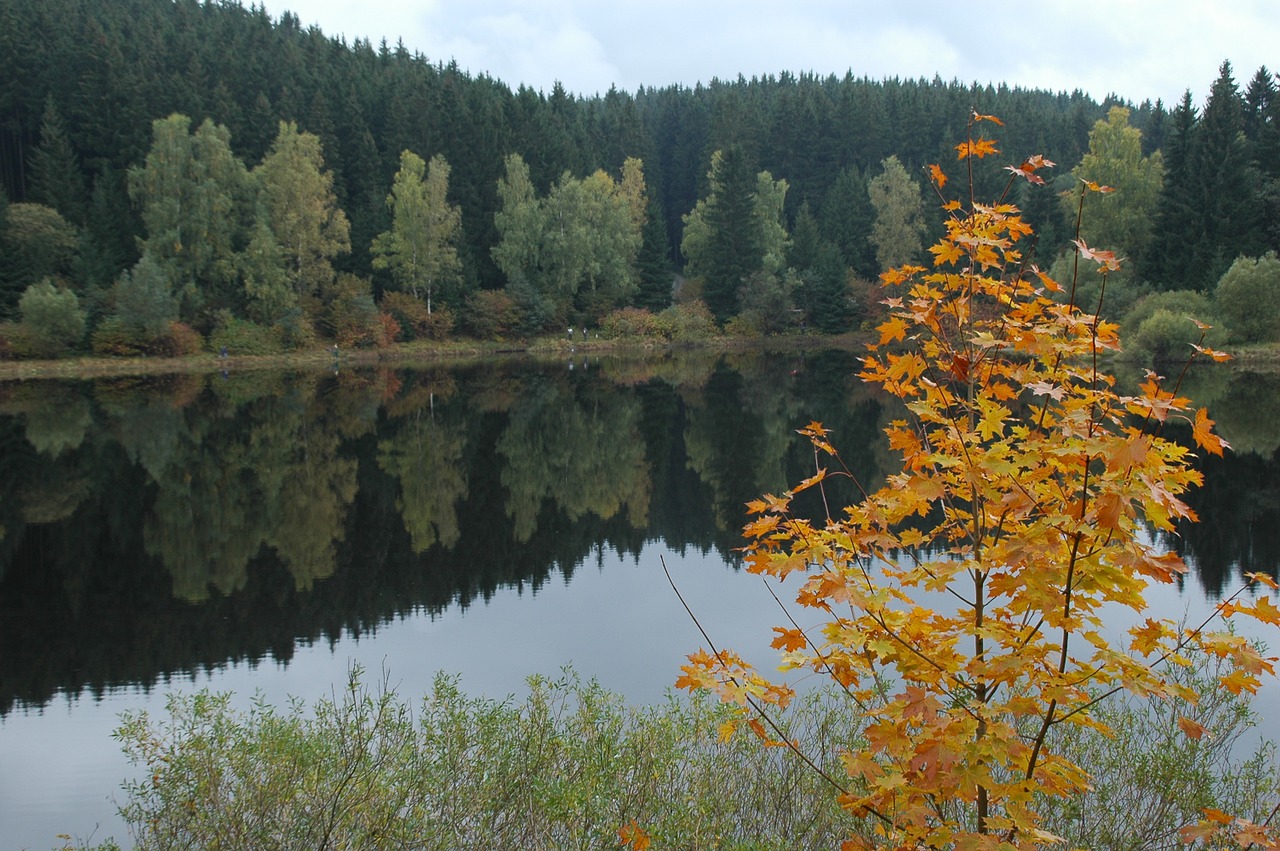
{"points": [[633, 836], [1202, 433], [976, 148], [1191, 729], [935, 173]]}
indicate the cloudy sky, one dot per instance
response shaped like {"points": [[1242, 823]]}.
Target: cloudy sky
{"points": [[1136, 48]]}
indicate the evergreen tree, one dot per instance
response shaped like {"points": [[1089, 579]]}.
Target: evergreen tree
{"points": [[846, 219], [653, 263], [55, 177], [723, 243], [1175, 234]]}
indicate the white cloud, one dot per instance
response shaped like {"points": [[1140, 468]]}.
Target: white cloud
{"points": [[1137, 48]]}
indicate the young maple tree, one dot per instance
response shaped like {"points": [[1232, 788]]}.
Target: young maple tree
{"points": [[1028, 490]]}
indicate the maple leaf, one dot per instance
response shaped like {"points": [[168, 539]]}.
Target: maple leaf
{"points": [[633, 836], [976, 148], [1191, 729], [935, 172], [993, 119], [1106, 259], [893, 329], [1202, 432], [788, 640], [945, 252]]}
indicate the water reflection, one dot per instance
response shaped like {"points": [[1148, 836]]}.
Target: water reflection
{"points": [[149, 528]]}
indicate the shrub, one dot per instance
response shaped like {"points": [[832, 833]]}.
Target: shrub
{"points": [[409, 312], [1164, 336], [52, 320], [688, 321], [491, 314], [571, 764], [354, 319], [243, 337], [631, 323], [117, 338], [1248, 299]]}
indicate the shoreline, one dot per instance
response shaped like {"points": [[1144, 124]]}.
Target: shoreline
{"points": [[1256, 358], [403, 354]]}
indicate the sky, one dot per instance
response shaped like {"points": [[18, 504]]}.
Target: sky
{"points": [[1134, 48]]}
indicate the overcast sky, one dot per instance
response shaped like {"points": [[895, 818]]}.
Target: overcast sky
{"points": [[1136, 49]]}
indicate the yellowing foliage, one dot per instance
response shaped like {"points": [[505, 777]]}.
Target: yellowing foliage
{"points": [[1028, 484]]}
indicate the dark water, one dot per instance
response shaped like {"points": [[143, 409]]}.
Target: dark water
{"points": [[265, 531]]}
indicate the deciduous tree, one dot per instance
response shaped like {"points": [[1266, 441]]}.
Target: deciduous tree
{"points": [[961, 606], [421, 247], [302, 209], [898, 229]]}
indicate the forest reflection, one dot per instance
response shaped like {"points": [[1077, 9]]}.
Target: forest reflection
{"points": [[152, 527]]}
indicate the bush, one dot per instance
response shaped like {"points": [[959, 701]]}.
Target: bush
{"points": [[354, 319], [243, 337], [491, 314], [631, 322], [571, 764], [52, 320], [117, 338], [409, 312], [1160, 326], [1248, 299], [688, 321]]}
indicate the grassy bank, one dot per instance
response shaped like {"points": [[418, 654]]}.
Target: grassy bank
{"points": [[399, 354]]}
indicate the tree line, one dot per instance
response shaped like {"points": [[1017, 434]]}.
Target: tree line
{"points": [[366, 193]]}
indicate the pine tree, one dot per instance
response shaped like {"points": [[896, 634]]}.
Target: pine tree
{"points": [[54, 169]]}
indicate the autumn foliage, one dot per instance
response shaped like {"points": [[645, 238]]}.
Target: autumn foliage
{"points": [[961, 607]]}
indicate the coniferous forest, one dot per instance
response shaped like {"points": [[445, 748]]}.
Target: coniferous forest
{"points": [[182, 175]]}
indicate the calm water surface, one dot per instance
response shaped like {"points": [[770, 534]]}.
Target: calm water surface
{"points": [[264, 532]]}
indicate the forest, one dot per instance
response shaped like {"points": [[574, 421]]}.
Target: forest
{"points": [[183, 176]]}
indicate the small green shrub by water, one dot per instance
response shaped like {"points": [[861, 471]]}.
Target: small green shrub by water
{"points": [[571, 763]]}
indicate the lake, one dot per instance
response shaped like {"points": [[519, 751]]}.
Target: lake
{"points": [[264, 531]]}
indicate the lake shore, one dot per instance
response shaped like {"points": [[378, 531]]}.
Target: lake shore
{"points": [[402, 354], [1260, 357]]}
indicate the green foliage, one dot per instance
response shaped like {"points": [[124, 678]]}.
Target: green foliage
{"points": [[302, 209], [565, 768], [735, 231], [688, 321], [36, 242], [1148, 779], [1123, 217], [630, 323], [51, 319], [198, 208], [570, 764], [144, 301], [244, 337], [766, 305], [1248, 299], [898, 230], [420, 249], [1163, 325], [576, 248]]}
